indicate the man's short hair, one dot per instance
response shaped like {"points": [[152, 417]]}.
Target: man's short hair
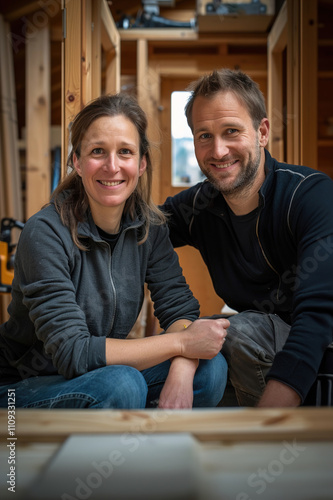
{"points": [[227, 80]]}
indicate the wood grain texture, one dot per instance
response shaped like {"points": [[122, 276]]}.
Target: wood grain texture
{"points": [[239, 425]]}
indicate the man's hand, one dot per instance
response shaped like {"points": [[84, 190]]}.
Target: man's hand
{"points": [[178, 387], [204, 338], [279, 395]]}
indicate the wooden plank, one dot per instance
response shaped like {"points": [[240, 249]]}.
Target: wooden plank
{"points": [[96, 50], [183, 64], [190, 69], [142, 72], [275, 105], [277, 42], [86, 53], [10, 155], [10, 175], [308, 83], [112, 72], [154, 132], [187, 34], [227, 425], [277, 38], [23, 9], [110, 35], [111, 44], [2, 170], [293, 83], [215, 23], [38, 121], [165, 34], [72, 67]]}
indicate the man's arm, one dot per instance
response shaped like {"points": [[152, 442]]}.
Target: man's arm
{"points": [[278, 395]]}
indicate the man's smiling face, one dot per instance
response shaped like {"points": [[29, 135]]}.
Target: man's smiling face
{"points": [[227, 146]]}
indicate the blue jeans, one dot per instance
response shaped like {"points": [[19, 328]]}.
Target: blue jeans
{"points": [[116, 386]]}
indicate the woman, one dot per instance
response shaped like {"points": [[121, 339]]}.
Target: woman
{"points": [[80, 269]]}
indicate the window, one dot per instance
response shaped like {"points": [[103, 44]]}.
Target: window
{"points": [[185, 169]]}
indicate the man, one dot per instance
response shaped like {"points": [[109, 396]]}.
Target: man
{"points": [[265, 232]]}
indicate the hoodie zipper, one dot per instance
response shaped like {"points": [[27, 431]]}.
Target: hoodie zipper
{"points": [[110, 274], [112, 284]]}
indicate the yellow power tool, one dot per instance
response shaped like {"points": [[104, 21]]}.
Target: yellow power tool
{"points": [[6, 253]]}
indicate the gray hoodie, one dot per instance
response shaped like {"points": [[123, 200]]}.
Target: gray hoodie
{"points": [[66, 301]]}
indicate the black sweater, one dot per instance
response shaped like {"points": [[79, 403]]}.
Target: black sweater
{"points": [[292, 275]]}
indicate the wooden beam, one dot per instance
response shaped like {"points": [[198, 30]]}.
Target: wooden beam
{"points": [[277, 38], [112, 72], [96, 50], [277, 42], [165, 34], [293, 81], [308, 83], [142, 72], [72, 68], [183, 63], [154, 132], [24, 9], [10, 175], [110, 35], [173, 35], [86, 52], [81, 56], [2, 177], [111, 45], [38, 121], [240, 425], [11, 180]]}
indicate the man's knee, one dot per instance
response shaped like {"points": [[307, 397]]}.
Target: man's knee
{"points": [[253, 334]]}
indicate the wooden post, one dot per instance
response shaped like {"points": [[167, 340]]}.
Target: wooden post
{"points": [[72, 67], [111, 46], [86, 52], [154, 131], [87, 25], [10, 176], [11, 180], [38, 121], [96, 50], [277, 42], [293, 81], [142, 73], [308, 83]]}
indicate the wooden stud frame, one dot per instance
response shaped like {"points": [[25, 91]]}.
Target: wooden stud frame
{"points": [[308, 124], [38, 119], [81, 59], [277, 43]]}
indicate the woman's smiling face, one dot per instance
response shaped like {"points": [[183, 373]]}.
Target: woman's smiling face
{"points": [[109, 164]]}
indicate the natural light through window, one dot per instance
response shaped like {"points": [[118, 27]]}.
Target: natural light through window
{"points": [[185, 169]]}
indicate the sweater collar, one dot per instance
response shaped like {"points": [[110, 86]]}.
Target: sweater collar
{"points": [[88, 229]]}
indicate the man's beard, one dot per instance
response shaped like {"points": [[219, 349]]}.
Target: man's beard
{"points": [[244, 180]]}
